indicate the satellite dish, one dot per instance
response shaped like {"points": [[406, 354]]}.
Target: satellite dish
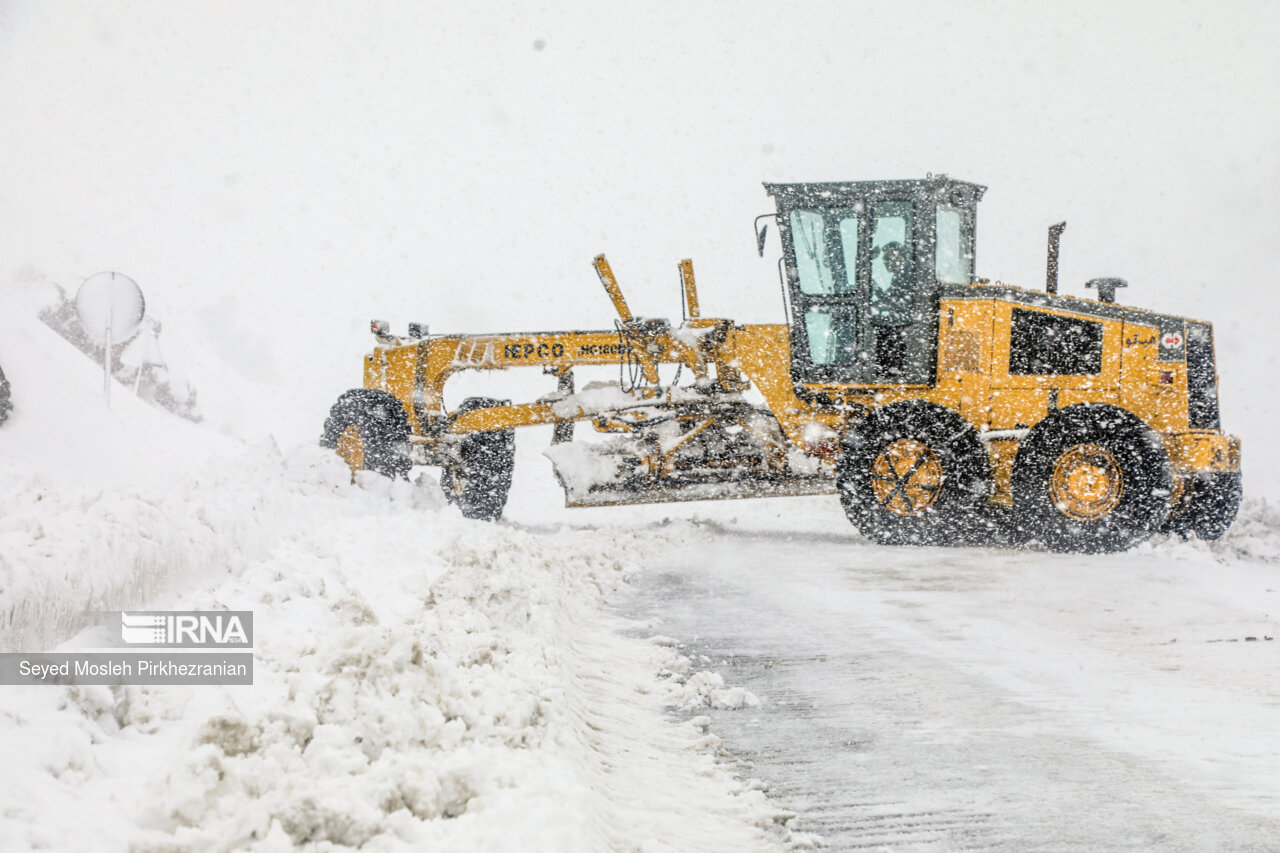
{"points": [[110, 306]]}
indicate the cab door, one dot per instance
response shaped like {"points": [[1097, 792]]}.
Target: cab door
{"points": [[860, 315], [902, 317], [828, 316]]}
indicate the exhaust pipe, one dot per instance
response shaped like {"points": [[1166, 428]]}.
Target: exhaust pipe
{"points": [[1051, 278]]}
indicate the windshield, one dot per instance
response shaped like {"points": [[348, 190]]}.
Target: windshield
{"points": [[821, 273]]}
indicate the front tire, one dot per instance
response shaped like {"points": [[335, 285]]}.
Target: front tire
{"points": [[1092, 479], [6, 403], [914, 473], [479, 485], [370, 431]]}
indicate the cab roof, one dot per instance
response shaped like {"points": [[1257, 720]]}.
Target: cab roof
{"points": [[939, 187]]}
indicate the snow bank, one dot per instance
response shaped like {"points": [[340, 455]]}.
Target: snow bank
{"points": [[420, 681], [1254, 536], [67, 552], [98, 503]]}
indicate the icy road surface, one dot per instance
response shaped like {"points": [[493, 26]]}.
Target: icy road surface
{"points": [[931, 699]]}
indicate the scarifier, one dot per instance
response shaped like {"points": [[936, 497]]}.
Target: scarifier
{"points": [[940, 407]]}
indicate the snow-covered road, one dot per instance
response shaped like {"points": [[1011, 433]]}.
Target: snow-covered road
{"points": [[930, 699]]}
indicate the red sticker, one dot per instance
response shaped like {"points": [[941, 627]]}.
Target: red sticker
{"points": [[1173, 339]]}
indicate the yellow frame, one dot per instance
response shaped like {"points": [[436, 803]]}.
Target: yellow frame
{"points": [[972, 376]]}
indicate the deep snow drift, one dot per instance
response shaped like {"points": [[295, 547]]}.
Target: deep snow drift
{"points": [[420, 680]]}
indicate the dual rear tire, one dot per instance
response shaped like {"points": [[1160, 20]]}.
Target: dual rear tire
{"points": [[1089, 479], [913, 473]]}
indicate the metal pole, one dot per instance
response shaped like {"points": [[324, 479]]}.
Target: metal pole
{"points": [[106, 368], [106, 353]]}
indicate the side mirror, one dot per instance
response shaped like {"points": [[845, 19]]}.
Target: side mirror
{"points": [[762, 231]]}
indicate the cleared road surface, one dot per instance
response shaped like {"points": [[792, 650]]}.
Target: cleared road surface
{"points": [[978, 699]]}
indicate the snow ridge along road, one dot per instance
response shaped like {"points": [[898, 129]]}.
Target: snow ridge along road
{"points": [[421, 682]]}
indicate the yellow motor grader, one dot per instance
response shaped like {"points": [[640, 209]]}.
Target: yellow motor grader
{"points": [[940, 407]]}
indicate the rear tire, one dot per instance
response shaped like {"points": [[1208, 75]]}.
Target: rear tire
{"points": [[914, 473], [1092, 479], [1208, 509], [370, 431], [480, 484]]}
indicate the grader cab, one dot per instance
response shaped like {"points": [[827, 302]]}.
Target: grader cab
{"points": [[940, 407]]}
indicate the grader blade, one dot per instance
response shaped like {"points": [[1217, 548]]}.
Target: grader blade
{"points": [[606, 494], [593, 475], [725, 490]]}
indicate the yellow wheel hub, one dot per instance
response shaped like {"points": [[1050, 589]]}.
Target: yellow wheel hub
{"points": [[906, 477], [457, 483], [1087, 483], [351, 449]]}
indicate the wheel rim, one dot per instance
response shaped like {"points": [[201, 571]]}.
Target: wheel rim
{"points": [[906, 477], [351, 448], [1087, 483], [455, 485]]}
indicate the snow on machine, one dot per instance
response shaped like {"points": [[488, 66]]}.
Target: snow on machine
{"points": [[940, 407]]}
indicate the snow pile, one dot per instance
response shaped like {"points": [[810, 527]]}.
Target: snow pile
{"points": [[707, 688], [579, 465], [704, 688], [66, 552], [1255, 535], [420, 681]]}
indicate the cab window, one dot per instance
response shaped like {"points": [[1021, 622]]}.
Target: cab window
{"points": [[808, 232], [954, 263], [811, 235], [1052, 345], [833, 335]]}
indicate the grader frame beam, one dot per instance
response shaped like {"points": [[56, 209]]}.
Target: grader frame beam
{"points": [[417, 371]]}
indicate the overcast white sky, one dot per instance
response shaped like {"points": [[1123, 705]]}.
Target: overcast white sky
{"points": [[274, 174]]}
